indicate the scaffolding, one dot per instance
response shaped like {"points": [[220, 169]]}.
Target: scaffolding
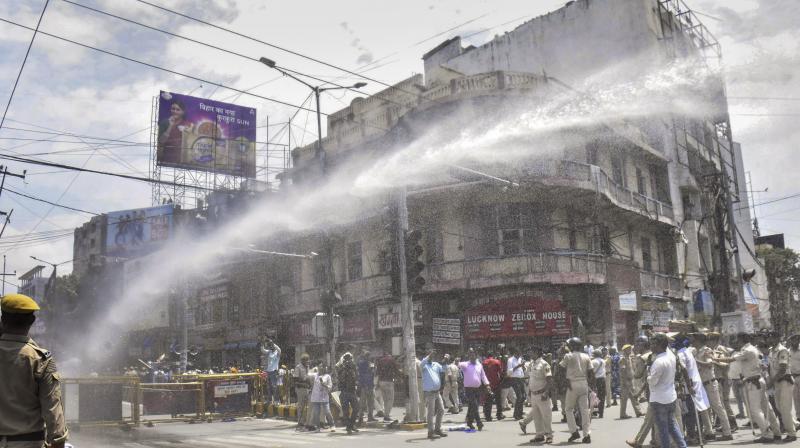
{"points": [[190, 188]]}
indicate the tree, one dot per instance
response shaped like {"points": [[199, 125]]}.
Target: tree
{"points": [[783, 280]]}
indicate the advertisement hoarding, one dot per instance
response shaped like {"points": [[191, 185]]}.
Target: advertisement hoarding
{"points": [[133, 233], [525, 316], [205, 135]]}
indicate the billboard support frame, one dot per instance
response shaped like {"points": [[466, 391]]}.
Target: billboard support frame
{"points": [[189, 188]]}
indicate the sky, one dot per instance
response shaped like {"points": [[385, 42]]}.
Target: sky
{"points": [[66, 88]]}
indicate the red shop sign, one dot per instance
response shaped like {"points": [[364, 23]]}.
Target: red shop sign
{"points": [[357, 328], [524, 316]]}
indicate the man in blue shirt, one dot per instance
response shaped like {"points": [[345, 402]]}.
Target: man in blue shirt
{"points": [[272, 358], [366, 386], [432, 373]]}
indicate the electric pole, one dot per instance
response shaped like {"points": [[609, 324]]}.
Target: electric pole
{"points": [[406, 306]]}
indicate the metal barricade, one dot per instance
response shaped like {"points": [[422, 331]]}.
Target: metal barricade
{"points": [[229, 395], [101, 401], [163, 402]]}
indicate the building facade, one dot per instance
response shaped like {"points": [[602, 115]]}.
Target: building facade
{"points": [[614, 226]]}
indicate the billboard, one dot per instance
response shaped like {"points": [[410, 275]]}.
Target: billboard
{"points": [[132, 233], [205, 135]]}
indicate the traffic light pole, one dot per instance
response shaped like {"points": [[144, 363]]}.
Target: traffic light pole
{"points": [[406, 308]]}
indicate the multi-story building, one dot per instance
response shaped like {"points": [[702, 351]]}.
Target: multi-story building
{"points": [[616, 224], [34, 284]]}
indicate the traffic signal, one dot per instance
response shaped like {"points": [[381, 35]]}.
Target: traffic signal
{"points": [[414, 264]]}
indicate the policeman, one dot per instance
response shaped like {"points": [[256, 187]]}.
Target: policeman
{"points": [[754, 386], [540, 381], [580, 379], [707, 365], [780, 377], [31, 411], [626, 390]]}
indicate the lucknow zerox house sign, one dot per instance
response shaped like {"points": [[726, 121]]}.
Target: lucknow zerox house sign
{"points": [[522, 316]]}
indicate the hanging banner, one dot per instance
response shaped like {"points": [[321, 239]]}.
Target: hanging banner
{"points": [[446, 331], [517, 317]]}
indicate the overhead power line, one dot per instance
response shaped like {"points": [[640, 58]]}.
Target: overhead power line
{"points": [[147, 64], [49, 202], [24, 60], [87, 170]]}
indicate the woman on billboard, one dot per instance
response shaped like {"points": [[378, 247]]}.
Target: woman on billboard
{"points": [[170, 134]]}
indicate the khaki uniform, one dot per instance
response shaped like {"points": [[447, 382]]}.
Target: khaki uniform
{"points": [[725, 380], [450, 392], [784, 388], [30, 393], [577, 365], [540, 414], [302, 390], [794, 363], [626, 391], [755, 388], [710, 383]]}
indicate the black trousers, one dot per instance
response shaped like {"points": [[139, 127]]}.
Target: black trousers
{"points": [[493, 399], [519, 389], [349, 401], [473, 396], [600, 385]]}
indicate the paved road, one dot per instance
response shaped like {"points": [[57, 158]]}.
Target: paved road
{"points": [[252, 433]]}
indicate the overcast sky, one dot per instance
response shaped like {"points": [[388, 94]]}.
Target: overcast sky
{"points": [[67, 88]]}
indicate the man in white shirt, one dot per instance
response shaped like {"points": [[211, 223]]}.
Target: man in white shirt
{"points": [[599, 367], [661, 379], [516, 373]]}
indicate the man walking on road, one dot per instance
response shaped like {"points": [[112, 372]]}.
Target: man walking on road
{"points": [[302, 388], [661, 380], [474, 381], [432, 374], [580, 379], [348, 385], [494, 372], [366, 387], [626, 390], [516, 374], [599, 367], [540, 381], [450, 391], [707, 366]]}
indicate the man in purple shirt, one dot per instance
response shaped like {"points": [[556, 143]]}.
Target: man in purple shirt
{"points": [[474, 380]]}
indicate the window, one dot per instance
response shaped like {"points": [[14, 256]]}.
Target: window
{"points": [[647, 260], [591, 153], [319, 272], [354, 266], [510, 221], [91, 243], [219, 310], [513, 229], [488, 238], [511, 241], [616, 170], [641, 186], [233, 310]]}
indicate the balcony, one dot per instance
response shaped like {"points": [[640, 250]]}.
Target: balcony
{"points": [[554, 268], [590, 177], [655, 284], [363, 290]]}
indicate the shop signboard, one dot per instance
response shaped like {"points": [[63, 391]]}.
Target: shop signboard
{"points": [[389, 316], [357, 328], [446, 331], [523, 316], [627, 301]]}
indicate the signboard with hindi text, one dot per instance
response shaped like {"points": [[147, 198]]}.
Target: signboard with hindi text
{"points": [[446, 331], [389, 316]]}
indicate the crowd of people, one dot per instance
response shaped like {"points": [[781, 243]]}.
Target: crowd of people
{"points": [[682, 384]]}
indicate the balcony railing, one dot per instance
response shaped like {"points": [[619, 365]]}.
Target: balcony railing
{"points": [[357, 291], [595, 178], [661, 285], [546, 267]]}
